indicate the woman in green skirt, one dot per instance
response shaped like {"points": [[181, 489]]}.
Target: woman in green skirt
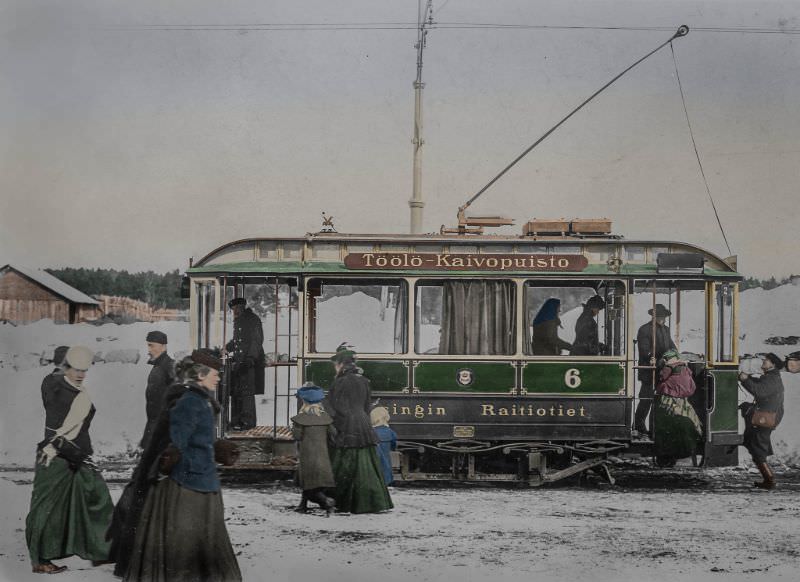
{"points": [[70, 505], [356, 468]]}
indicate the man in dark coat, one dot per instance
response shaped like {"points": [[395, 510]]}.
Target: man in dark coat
{"points": [[247, 351], [648, 356], [58, 372], [768, 395], [159, 379], [587, 337]]}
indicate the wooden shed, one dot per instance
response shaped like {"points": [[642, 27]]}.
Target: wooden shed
{"points": [[28, 295]]}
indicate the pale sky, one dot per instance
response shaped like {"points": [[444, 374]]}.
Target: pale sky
{"points": [[136, 148]]}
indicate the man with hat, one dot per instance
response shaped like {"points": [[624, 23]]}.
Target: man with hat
{"points": [[649, 354], [247, 368], [70, 504], [160, 378], [587, 338]]}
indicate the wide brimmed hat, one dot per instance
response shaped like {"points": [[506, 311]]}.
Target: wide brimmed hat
{"points": [[310, 393], [596, 302], [207, 357], [79, 357], [237, 301], [776, 361], [156, 337], [344, 353], [661, 311]]}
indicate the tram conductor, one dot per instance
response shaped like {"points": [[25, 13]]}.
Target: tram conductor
{"points": [[648, 355], [247, 368]]}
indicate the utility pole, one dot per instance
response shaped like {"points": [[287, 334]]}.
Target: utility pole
{"points": [[424, 20]]}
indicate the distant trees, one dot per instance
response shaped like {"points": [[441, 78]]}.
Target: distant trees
{"points": [[158, 290], [766, 284]]}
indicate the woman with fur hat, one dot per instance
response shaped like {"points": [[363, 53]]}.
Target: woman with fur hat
{"points": [[312, 428], [677, 426], [70, 505], [181, 534], [356, 468], [767, 391]]}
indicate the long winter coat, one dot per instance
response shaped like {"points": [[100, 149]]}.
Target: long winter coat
{"points": [[158, 381], [57, 397], [312, 433], [644, 343], [587, 339], [768, 394], [247, 350], [545, 340], [191, 429], [349, 402]]}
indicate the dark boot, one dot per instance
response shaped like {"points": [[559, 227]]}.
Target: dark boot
{"points": [[303, 506], [768, 476], [640, 417], [323, 501]]}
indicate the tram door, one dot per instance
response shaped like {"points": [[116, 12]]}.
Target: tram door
{"points": [[669, 315], [274, 300]]}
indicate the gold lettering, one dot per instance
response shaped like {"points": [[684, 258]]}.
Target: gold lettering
{"points": [[457, 262], [541, 411], [367, 259], [570, 412], [419, 411], [488, 410], [380, 262], [505, 264], [440, 411], [564, 263], [416, 261], [502, 411], [442, 261], [582, 411], [491, 263], [405, 410]]}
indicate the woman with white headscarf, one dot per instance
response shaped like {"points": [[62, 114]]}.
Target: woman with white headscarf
{"points": [[70, 505]]}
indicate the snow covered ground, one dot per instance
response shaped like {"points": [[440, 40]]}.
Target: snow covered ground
{"points": [[480, 534]]}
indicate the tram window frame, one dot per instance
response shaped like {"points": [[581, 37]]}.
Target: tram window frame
{"points": [[314, 289], [439, 283], [616, 310], [724, 303], [667, 294]]}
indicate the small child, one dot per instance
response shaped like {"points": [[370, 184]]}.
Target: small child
{"points": [[312, 427], [388, 440]]}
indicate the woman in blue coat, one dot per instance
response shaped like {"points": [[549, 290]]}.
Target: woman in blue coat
{"points": [[387, 440], [181, 534]]}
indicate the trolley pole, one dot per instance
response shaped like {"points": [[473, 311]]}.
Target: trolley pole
{"points": [[416, 204]]}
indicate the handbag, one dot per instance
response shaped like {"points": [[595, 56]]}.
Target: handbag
{"points": [[764, 419]]}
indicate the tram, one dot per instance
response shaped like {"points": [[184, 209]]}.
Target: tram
{"points": [[442, 324]]}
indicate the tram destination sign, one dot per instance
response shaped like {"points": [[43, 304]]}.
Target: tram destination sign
{"points": [[465, 262]]}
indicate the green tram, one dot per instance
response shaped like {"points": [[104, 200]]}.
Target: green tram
{"points": [[442, 326]]}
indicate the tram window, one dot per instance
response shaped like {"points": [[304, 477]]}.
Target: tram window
{"points": [[724, 322], [473, 316], [292, 250], [368, 314], [575, 332], [635, 254], [686, 303], [533, 249], [464, 249], [497, 250], [325, 251], [427, 248], [267, 250]]}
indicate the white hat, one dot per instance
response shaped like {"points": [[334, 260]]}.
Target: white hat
{"points": [[79, 357]]}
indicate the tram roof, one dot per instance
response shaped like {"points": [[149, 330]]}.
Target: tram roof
{"points": [[324, 253]]}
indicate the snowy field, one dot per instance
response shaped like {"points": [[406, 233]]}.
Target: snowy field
{"points": [[708, 532]]}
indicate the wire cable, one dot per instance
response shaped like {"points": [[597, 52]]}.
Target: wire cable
{"points": [[696, 153], [682, 31]]}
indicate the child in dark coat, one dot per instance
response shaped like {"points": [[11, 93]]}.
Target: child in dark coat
{"points": [[312, 427], [379, 417]]}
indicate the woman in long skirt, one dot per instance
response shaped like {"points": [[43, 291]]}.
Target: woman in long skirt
{"points": [[677, 426], [357, 471], [70, 506], [181, 534]]}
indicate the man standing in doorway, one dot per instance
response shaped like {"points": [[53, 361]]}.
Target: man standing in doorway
{"points": [[159, 379], [247, 351], [648, 356]]}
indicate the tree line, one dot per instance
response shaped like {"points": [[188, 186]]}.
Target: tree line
{"points": [[766, 284], [158, 290]]}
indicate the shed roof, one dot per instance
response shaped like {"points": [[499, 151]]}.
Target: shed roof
{"points": [[53, 284]]}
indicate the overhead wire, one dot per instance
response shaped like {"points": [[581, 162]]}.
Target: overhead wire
{"points": [[696, 152]]}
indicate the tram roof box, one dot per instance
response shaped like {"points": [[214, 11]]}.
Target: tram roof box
{"points": [[544, 226], [590, 226], [679, 263]]}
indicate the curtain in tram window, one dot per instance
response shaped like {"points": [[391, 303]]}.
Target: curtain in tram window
{"points": [[400, 321], [478, 317]]}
